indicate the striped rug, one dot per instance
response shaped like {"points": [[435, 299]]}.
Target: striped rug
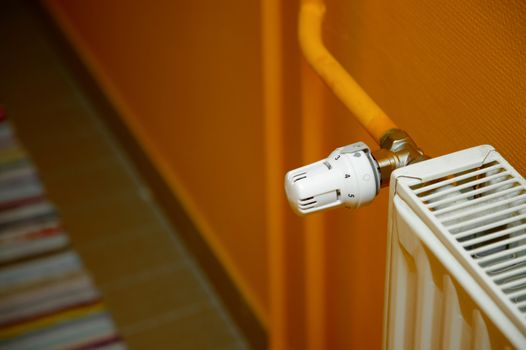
{"points": [[47, 299]]}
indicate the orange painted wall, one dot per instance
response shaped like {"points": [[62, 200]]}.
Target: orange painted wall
{"points": [[192, 81]]}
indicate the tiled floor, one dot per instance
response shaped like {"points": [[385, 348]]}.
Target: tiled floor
{"points": [[157, 295]]}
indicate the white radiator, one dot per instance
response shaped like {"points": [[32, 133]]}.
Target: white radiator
{"points": [[456, 266]]}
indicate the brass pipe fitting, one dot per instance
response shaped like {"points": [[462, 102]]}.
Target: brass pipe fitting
{"points": [[397, 150]]}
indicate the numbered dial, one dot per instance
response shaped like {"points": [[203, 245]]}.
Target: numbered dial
{"points": [[348, 177]]}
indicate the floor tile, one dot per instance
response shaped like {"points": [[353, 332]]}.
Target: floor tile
{"points": [[114, 214], [199, 328], [151, 293], [135, 252]]}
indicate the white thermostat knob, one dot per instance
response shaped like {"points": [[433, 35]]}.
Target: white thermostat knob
{"points": [[348, 177]]}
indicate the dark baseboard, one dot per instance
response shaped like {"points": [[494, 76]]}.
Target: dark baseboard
{"points": [[230, 295]]}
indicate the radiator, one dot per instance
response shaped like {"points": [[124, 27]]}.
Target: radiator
{"points": [[456, 263]]}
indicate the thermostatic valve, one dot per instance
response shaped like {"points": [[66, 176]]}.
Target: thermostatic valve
{"points": [[348, 177]]}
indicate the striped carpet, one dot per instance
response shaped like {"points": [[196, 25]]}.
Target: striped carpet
{"points": [[47, 299]]}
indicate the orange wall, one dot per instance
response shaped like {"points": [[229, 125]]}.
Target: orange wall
{"points": [[192, 81]]}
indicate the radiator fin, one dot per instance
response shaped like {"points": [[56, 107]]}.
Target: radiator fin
{"points": [[455, 335]]}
